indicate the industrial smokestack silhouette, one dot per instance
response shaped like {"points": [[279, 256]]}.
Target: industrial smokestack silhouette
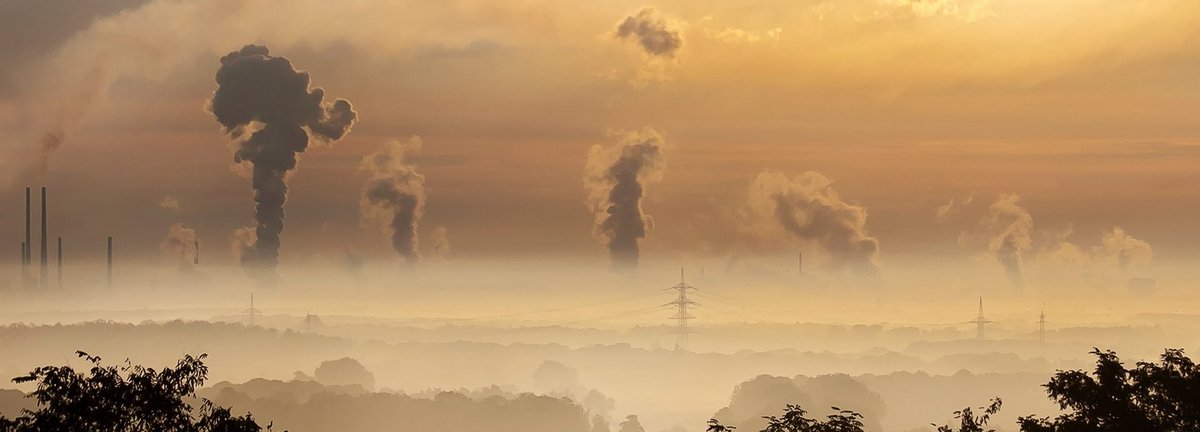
{"points": [[27, 257], [110, 262], [45, 263], [60, 264]]}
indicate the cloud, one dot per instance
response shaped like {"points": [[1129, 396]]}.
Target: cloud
{"points": [[732, 35], [615, 178], [170, 203], [807, 207], [953, 208], [650, 30]]}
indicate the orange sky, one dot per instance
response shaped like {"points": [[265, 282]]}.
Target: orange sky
{"points": [[1085, 109]]}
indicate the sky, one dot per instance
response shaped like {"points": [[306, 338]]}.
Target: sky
{"points": [[866, 133]]}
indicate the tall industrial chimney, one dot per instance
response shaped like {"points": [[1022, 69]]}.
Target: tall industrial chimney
{"points": [[45, 269], [800, 262], [60, 264], [26, 258], [196, 259], [109, 262]]}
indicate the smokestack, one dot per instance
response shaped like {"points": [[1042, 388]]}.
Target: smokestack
{"points": [[26, 258], [196, 258], [60, 264], [800, 262], [110, 262], [45, 268]]}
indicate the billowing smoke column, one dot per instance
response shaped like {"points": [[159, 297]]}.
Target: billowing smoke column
{"points": [[807, 207], [395, 194], [616, 177], [1009, 226], [267, 104]]}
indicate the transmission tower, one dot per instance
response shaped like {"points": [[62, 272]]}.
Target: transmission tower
{"points": [[979, 321], [1042, 327], [252, 313], [681, 316]]}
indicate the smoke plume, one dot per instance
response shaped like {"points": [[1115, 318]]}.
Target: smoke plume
{"points": [[395, 194], [1009, 227], [1123, 250], [651, 32], [267, 104], [616, 177], [181, 243], [807, 207], [441, 243]]}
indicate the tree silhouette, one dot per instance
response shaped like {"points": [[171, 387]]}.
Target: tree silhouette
{"points": [[125, 398], [1148, 397], [794, 419], [969, 422]]}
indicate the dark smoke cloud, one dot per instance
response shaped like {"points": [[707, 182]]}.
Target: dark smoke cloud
{"points": [[616, 177], [651, 32], [264, 97], [395, 195], [808, 208]]}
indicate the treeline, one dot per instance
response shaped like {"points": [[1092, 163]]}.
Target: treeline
{"points": [[1158, 397]]}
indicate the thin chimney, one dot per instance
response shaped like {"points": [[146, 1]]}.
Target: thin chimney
{"points": [[26, 258], [110, 262], [45, 268], [60, 263]]}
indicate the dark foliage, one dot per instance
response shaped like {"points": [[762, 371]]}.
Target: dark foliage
{"points": [[1149, 397], [969, 422], [794, 419], [123, 398]]}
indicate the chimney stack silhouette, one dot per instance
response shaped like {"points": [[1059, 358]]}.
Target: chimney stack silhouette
{"points": [[27, 256], [45, 262], [110, 262]]}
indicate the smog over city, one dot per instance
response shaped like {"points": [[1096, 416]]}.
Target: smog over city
{"points": [[618, 216]]}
